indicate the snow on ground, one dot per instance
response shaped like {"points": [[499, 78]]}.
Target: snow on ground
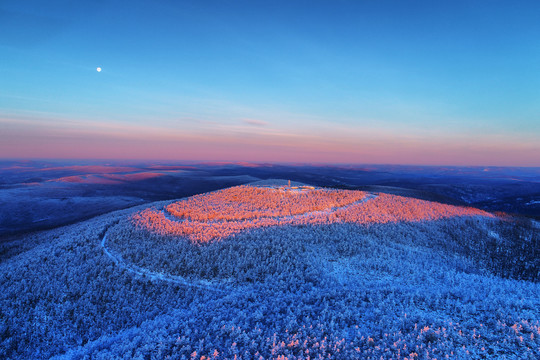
{"points": [[392, 289]]}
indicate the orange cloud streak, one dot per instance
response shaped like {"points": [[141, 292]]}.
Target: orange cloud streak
{"points": [[20, 138]]}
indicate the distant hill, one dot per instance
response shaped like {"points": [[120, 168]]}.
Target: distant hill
{"points": [[39, 195]]}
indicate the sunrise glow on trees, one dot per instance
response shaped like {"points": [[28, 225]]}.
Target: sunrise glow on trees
{"points": [[224, 213]]}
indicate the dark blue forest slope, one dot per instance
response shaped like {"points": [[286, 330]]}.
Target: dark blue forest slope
{"points": [[461, 288]]}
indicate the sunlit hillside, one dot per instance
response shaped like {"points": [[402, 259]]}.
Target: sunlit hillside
{"points": [[225, 212], [272, 271]]}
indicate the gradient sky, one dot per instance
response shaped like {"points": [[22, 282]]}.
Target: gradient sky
{"points": [[401, 82]]}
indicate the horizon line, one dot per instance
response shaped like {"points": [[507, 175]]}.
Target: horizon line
{"points": [[261, 163]]}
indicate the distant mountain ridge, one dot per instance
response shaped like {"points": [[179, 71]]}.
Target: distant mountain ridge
{"points": [[39, 195]]}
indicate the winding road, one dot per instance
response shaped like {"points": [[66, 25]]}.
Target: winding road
{"points": [[153, 275], [203, 285]]}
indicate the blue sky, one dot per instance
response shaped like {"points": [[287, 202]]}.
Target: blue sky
{"points": [[412, 82]]}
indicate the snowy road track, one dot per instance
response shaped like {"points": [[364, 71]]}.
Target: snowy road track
{"points": [[171, 217], [152, 275]]}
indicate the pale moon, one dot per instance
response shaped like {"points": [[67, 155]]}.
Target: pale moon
{"points": [[98, 69]]}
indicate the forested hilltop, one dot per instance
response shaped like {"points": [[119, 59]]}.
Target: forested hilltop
{"points": [[276, 271]]}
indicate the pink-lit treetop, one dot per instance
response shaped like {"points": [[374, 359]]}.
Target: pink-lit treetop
{"points": [[249, 202], [223, 213]]}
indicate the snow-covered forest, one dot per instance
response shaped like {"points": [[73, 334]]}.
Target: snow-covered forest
{"points": [[349, 275], [223, 213]]}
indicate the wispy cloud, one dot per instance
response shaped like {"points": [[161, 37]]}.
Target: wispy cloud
{"points": [[42, 134], [255, 122]]}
